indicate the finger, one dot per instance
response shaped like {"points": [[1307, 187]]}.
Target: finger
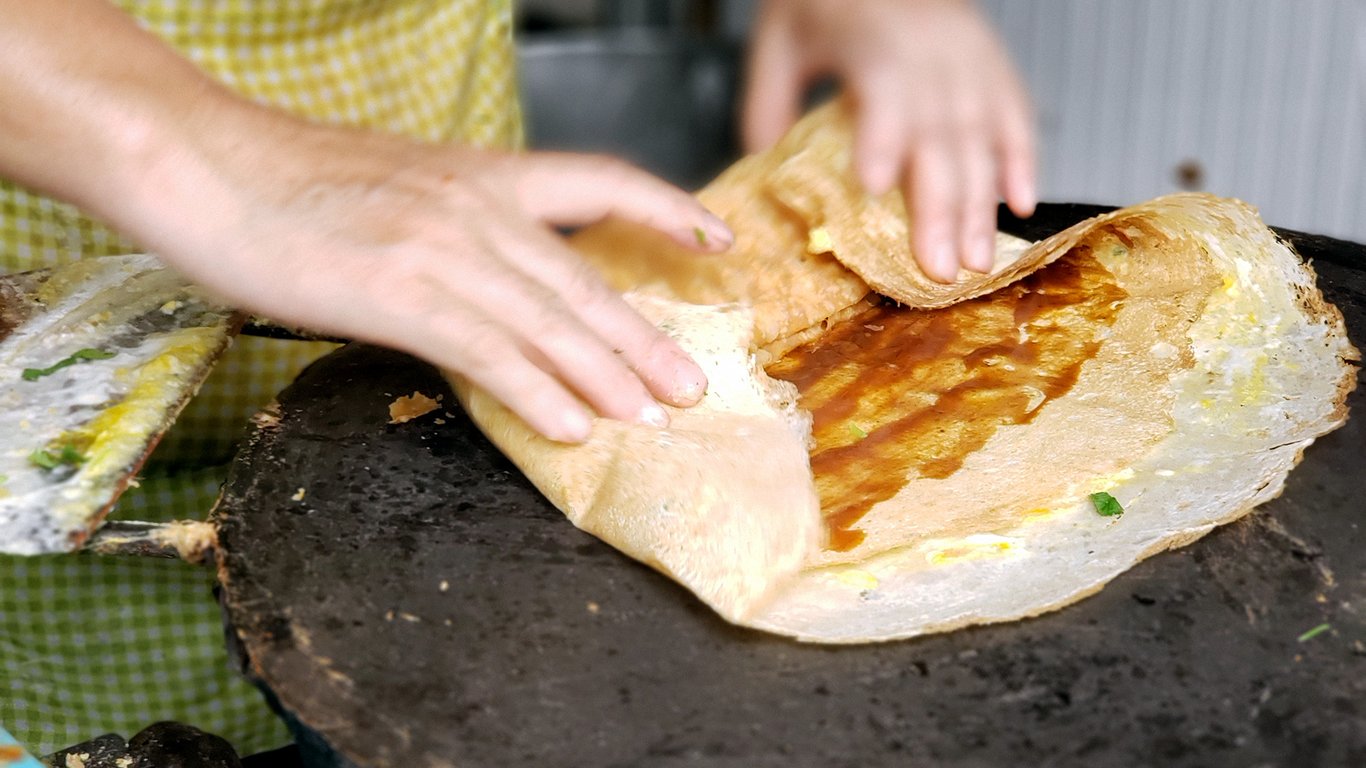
{"points": [[546, 329], [1016, 149], [666, 370], [423, 304], [773, 86], [977, 206], [933, 201], [572, 189], [880, 138], [597, 372], [489, 357], [516, 321]]}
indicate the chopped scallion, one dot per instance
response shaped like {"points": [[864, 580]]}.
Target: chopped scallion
{"points": [[47, 459], [79, 356], [1313, 633], [1106, 505]]}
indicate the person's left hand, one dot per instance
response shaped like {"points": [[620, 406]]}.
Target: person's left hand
{"points": [[939, 108]]}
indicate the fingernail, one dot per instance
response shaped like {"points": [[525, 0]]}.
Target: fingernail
{"points": [[690, 385], [654, 415], [715, 233]]}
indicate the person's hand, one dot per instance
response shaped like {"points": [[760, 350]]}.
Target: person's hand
{"points": [[442, 251], [939, 108], [446, 252]]}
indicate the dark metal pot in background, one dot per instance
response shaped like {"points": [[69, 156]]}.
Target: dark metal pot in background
{"points": [[662, 99]]}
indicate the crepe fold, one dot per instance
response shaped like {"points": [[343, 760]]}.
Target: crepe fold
{"points": [[862, 469]]}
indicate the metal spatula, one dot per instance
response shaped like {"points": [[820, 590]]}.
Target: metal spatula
{"points": [[96, 360]]}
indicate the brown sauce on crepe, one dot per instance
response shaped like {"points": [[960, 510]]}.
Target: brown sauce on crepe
{"points": [[897, 393]]}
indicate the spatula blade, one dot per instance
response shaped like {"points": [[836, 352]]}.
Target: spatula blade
{"points": [[96, 360]]}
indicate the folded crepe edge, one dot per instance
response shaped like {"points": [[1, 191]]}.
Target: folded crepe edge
{"points": [[688, 499]]}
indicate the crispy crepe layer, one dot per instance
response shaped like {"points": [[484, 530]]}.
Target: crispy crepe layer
{"points": [[813, 178], [769, 268]]}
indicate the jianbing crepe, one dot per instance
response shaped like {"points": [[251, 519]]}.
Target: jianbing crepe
{"points": [[1218, 364], [863, 469]]}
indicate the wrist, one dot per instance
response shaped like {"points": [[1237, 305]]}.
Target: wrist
{"points": [[148, 143]]}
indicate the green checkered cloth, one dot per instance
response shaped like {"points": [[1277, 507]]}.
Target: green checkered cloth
{"points": [[7, 744], [97, 644], [94, 644]]}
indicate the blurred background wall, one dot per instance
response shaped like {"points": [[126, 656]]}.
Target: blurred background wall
{"points": [[1259, 99]]}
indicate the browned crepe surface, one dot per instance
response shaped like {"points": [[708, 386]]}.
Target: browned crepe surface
{"points": [[903, 398]]}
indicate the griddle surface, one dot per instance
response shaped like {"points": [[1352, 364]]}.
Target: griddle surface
{"points": [[547, 648]]}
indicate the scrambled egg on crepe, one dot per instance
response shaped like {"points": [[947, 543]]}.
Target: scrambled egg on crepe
{"points": [[881, 456]]}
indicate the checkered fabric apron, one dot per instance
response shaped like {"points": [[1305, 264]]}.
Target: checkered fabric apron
{"points": [[91, 645]]}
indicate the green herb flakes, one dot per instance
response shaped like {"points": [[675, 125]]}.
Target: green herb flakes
{"points": [[857, 431], [47, 459], [701, 235], [1106, 505], [79, 356], [1313, 633]]}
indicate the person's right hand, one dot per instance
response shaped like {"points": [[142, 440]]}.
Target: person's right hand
{"points": [[446, 252]]}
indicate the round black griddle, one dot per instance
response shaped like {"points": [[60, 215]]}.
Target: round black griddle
{"points": [[419, 604]]}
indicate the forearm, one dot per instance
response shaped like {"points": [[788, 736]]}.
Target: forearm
{"points": [[91, 104]]}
